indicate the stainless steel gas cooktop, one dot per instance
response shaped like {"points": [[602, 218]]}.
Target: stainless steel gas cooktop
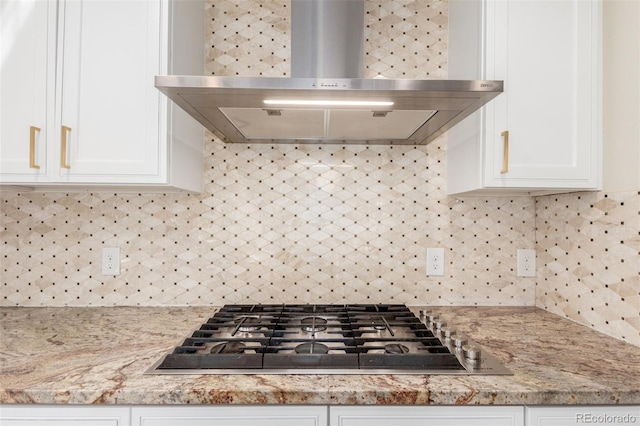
{"points": [[326, 339]]}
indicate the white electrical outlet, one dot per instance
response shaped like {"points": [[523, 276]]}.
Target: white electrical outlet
{"points": [[526, 263], [111, 261], [435, 262]]}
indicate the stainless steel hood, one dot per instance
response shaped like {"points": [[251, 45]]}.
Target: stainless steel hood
{"points": [[327, 100]]}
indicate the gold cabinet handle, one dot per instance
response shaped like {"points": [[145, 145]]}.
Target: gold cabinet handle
{"points": [[63, 148], [505, 153], [32, 147]]}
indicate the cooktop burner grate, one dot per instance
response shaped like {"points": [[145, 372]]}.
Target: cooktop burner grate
{"points": [[324, 339]]}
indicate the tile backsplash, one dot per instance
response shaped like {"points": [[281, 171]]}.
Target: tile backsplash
{"points": [[326, 224], [276, 223], [588, 245]]}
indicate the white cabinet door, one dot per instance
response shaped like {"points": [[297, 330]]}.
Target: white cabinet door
{"points": [[266, 415], [426, 416], [548, 54], [576, 415], [27, 47], [64, 415], [110, 51]]}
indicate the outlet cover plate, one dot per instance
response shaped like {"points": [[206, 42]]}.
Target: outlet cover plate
{"points": [[435, 262], [526, 263], [111, 261]]}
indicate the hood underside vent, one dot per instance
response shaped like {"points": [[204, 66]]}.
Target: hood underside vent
{"points": [[327, 100]]}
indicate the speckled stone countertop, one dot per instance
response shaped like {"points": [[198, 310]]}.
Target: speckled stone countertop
{"points": [[99, 355]]}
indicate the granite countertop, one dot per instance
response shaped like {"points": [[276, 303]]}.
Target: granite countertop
{"points": [[99, 355]]}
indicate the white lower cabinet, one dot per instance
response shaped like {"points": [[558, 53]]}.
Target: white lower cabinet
{"points": [[265, 415], [583, 415], [426, 416], [317, 415], [64, 415]]}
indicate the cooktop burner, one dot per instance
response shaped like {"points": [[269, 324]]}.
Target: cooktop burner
{"points": [[326, 339]]}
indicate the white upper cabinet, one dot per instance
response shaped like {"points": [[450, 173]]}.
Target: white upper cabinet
{"points": [[109, 126], [109, 105], [543, 134], [27, 54]]}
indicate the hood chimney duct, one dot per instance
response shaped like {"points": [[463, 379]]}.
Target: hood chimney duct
{"points": [[327, 38]]}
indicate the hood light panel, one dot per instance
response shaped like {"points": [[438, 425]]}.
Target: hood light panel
{"points": [[327, 103]]}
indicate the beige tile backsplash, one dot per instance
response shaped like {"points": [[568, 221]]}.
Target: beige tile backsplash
{"points": [[282, 223], [326, 224], [588, 246]]}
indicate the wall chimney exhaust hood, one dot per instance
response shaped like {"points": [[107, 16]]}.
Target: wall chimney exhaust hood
{"points": [[327, 100]]}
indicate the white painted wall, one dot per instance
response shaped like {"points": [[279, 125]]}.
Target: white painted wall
{"points": [[621, 94]]}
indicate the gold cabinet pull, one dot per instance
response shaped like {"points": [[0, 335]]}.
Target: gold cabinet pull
{"points": [[63, 148], [505, 153], [32, 147]]}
